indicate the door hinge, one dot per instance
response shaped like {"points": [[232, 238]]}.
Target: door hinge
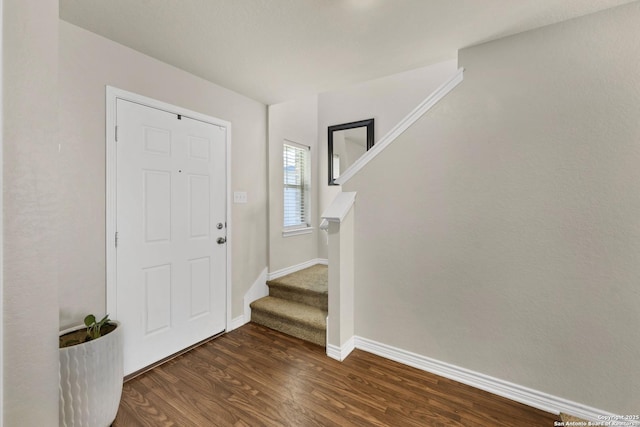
{"points": [[116, 239]]}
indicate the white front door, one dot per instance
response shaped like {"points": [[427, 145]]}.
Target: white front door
{"points": [[171, 226]]}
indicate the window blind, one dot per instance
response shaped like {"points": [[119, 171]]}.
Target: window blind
{"points": [[296, 185]]}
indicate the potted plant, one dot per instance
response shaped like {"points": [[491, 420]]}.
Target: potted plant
{"points": [[91, 373]]}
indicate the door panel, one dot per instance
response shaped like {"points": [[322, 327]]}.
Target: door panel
{"points": [[199, 215], [171, 272]]}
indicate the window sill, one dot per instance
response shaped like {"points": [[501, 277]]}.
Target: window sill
{"points": [[297, 231]]}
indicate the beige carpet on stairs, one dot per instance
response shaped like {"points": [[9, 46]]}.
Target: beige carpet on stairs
{"points": [[308, 286], [314, 279], [296, 305]]}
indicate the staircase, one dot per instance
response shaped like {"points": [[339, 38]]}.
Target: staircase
{"points": [[296, 305]]}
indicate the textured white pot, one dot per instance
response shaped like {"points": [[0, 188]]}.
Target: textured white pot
{"points": [[91, 377]]}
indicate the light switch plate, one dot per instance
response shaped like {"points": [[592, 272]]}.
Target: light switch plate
{"points": [[240, 197]]}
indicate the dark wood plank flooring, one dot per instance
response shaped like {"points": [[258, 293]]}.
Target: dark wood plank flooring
{"points": [[255, 376]]}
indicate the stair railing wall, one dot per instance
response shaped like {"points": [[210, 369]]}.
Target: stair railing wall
{"points": [[339, 224], [402, 126], [338, 221]]}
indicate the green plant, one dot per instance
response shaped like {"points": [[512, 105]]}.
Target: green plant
{"points": [[94, 329]]}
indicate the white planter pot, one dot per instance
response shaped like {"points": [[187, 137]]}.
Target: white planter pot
{"points": [[91, 377]]}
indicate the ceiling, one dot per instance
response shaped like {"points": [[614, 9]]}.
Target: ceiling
{"points": [[277, 50]]}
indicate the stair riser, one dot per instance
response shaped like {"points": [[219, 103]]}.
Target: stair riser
{"points": [[314, 300], [297, 330]]}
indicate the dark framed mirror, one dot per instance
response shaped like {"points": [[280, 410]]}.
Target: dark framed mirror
{"points": [[347, 143]]}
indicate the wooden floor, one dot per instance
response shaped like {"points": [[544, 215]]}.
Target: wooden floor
{"points": [[255, 376]]}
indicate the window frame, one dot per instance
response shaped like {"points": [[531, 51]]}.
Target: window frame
{"points": [[304, 227]]}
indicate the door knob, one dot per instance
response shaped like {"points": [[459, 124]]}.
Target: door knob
{"points": [[221, 240]]}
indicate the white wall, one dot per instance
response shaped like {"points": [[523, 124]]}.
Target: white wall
{"points": [[501, 232], [30, 144], [306, 121], [388, 100], [89, 62], [295, 121]]}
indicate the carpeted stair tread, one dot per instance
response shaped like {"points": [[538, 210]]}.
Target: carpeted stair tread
{"points": [[312, 280], [292, 318], [303, 314], [296, 305]]}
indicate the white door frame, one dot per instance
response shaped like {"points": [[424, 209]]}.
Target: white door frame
{"points": [[112, 95], [1, 217]]}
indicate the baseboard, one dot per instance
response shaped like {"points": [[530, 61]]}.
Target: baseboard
{"points": [[333, 351], [341, 353], [515, 392], [237, 322], [294, 268]]}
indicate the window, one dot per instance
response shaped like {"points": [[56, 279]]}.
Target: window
{"points": [[296, 186]]}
